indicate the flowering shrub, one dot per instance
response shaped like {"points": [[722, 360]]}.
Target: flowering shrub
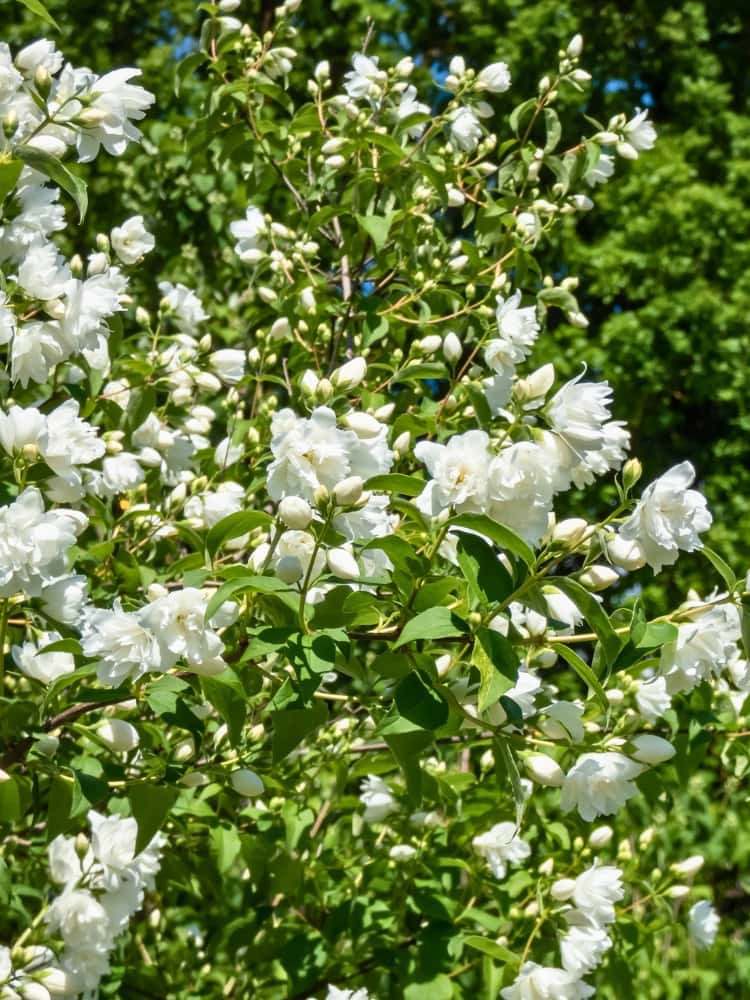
{"points": [[301, 625]]}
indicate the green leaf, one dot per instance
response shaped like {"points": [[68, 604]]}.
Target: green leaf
{"points": [[656, 634], [377, 227], [486, 576], [499, 533], [9, 173], [150, 805], [437, 623], [406, 747], [584, 671], [518, 113], [507, 766], [59, 805], [227, 695], [554, 129], [225, 847], [421, 371], [496, 660], [408, 486], [492, 948], [292, 725], [186, 67], [51, 167], [420, 703], [745, 626], [234, 526], [724, 571], [38, 8], [10, 801], [594, 614], [163, 694], [63, 646]]}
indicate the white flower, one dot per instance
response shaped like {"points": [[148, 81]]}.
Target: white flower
{"points": [[520, 490], [132, 240], [44, 667], [64, 599], [248, 233], [349, 375], [459, 473], [44, 273], [123, 647], [598, 784], [501, 846], [640, 132], [113, 842], [184, 304], [178, 622], [539, 982], [69, 440], [409, 105], [465, 130], [518, 329], [37, 348], [377, 799], [229, 365], [582, 948], [495, 78], [668, 518], [703, 924], [601, 171], [210, 508], [652, 698], [113, 105], [34, 543], [690, 867], [578, 412], [365, 79], [342, 563], [564, 721], [594, 893], [121, 473], [22, 428], [295, 512]]}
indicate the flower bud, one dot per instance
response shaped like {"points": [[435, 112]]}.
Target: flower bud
{"points": [[349, 375], [309, 382], [348, 491], [342, 564], [650, 749], [363, 425], [118, 734], [600, 837], [289, 569], [544, 770], [570, 531], [81, 845], [429, 344], [324, 390], [626, 554], [402, 442], [33, 991], [631, 473], [322, 71], [678, 891], [246, 782], [547, 867], [626, 151], [690, 867], [452, 348], [575, 47], [295, 512], [321, 495], [598, 577], [307, 299]]}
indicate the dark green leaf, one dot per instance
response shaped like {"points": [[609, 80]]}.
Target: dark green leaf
{"points": [[488, 579], [292, 725], [499, 533], [150, 805], [594, 614], [584, 671], [226, 694], [420, 703], [234, 526]]}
